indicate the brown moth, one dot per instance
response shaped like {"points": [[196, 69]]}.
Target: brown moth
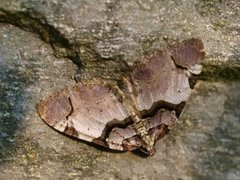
{"points": [[135, 113]]}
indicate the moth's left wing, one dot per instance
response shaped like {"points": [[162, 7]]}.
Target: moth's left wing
{"points": [[164, 76]]}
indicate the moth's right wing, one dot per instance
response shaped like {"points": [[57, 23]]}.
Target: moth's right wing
{"points": [[83, 111], [188, 54]]}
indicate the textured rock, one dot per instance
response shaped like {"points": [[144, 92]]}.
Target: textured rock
{"points": [[112, 33], [109, 37]]}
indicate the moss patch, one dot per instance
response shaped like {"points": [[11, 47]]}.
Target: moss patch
{"points": [[225, 71]]}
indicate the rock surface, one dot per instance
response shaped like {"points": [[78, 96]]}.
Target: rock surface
{"points": [[108, 35], [105, 37]]}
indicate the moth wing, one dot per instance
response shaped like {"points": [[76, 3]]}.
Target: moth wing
{"points": [[83, 111], [118, 136], [189, 54], [159, 77], [128, 138]]}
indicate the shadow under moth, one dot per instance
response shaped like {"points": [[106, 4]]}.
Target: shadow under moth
{"points": [[135, 113]]}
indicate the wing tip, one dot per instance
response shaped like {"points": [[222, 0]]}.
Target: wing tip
{"points": [[188, 54], [40, 107]]}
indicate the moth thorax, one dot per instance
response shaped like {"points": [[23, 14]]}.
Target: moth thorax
{"points": [[140, 127], [135, 116]]}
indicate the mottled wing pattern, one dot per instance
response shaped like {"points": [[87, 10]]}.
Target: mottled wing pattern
{"points": [[82, 111], [188, 54], [158, 78]]}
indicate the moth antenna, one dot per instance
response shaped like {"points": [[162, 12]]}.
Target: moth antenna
{"points": [[144, 151], [117, 90], [130, 89], [127, 82]]}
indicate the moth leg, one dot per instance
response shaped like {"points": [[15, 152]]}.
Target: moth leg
{"points": [[124, 139]]}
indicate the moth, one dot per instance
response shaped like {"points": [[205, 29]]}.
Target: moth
{"points": [[134, 113]]}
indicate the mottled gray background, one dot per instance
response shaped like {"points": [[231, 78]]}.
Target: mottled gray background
{"points": [[40, 40]]}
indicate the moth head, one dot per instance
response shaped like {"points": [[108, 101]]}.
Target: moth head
{"points": [[160, 125], [148, 145], [145, 143], [149, 140]]}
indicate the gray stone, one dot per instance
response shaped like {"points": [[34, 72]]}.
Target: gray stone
{"points": [[113, 34]]}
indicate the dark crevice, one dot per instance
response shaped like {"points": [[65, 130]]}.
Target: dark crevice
{"points": [[178, 65], [145, 114], [115, 124], [38, 25], [163, 105], [71, 111], [192, 79], [93, 66]]}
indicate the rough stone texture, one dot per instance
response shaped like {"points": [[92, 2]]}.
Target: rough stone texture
{"points": [[106, 37]]}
